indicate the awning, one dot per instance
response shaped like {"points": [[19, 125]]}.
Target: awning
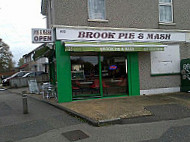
{"points": [[43, 51], [113, 46]]}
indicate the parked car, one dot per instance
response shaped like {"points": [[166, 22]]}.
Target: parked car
{"points": [[34, 74], [6, 81]]}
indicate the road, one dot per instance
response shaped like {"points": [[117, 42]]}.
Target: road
{"points": [[45, 123]]}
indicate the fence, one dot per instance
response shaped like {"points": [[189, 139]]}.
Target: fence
{"points": [[23, 82]]}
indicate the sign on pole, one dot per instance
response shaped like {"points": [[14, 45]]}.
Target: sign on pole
{"points": [[42, 36]]}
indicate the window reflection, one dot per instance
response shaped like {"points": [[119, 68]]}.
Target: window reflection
{"points": [[85, 76]]}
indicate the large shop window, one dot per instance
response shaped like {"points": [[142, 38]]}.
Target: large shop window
{"points": [[165, 11], [85, 76], [86, 80], [114, 74], [96, 9], [167, 61]]}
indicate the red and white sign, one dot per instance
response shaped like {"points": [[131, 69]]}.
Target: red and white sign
{"points": [[117, 35]]}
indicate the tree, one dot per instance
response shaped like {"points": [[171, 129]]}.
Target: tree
{"points": [[6, 62], [21, 62]]}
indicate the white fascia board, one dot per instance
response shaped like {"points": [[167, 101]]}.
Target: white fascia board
{"points": [[120, 29]]}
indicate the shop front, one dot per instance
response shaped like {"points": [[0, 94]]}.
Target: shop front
{"points": [[99, 63]]}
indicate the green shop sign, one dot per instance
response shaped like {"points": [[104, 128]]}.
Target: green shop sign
{"points": [[112, 46]]}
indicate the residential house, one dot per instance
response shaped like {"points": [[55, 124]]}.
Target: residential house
{"points": [[40, 64]]}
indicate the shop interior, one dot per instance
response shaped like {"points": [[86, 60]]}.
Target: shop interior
{"points": [[85, 70]]}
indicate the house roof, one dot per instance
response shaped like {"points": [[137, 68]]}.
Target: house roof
{"points": [[44, 7], [23, 66]]}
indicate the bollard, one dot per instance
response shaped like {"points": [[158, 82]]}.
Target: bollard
{"points": [[25, 105]]}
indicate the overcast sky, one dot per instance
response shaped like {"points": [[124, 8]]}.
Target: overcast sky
{"points": [[17, 17]]}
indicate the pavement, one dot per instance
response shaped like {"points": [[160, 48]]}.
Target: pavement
{"points": [[124, 110], [41, 118]]}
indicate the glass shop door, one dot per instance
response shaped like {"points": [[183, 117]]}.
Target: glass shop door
{"points": [[114, 74]]}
